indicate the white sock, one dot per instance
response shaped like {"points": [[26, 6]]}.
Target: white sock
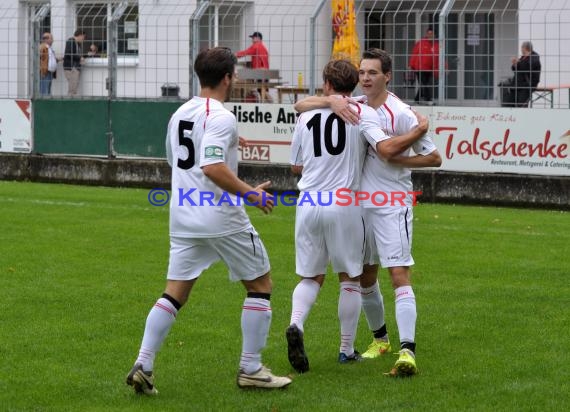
{"points": [[373, 306], [406, 313], [158, 324], [304, 297], [349, 303], [255, 322]]}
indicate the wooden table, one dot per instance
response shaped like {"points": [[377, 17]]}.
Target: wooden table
{"points": [[260, 81], [295, 91], [242, 90]]}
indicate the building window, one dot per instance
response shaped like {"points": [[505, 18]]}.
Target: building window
{"points": [[92, 18], [229, 21], [43, 13]]}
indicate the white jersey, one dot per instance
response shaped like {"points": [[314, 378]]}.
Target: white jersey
{"points": [[200, 133], [397, 118], [332, 152]]}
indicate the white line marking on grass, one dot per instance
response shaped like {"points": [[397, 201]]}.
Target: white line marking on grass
{"points": [[81, 204]]}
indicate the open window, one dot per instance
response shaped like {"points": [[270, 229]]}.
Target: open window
{"points": [[92, 18]]}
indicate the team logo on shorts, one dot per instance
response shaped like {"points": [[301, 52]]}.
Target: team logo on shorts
{"points": [[214, 152]]}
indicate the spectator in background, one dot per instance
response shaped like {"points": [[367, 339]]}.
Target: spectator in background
{"points": [[257, 51], [72, 60], [518, 90], [424, 62], [93, 50], [48, 64], [259, 60]]}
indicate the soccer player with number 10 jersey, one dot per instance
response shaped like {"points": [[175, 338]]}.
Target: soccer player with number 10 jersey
{"points": [[389, 228]]}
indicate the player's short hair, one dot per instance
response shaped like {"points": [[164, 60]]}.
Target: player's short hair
{"points": [[382, 55], [341, 75], [79, 32], [213, 64]]}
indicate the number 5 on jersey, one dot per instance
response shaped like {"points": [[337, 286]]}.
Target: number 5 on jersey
{"points": [[187, 143]]}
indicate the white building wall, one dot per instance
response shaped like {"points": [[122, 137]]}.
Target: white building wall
{"points": [[546, 25]]}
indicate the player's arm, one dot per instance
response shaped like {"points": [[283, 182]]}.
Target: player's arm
{"points": [[341, 106], [297, 170], [215, 145], [224, 178], [372, 129], [431, 160], [396, 145], [250, 51], [426, 155], [169, 154], [296, 160]]}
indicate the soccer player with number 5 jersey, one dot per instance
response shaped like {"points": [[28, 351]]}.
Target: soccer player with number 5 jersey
{"points": [[201, 146]]}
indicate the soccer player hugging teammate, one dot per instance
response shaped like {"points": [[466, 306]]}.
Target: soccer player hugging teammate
{"points": [[201, 146], [330, 155], [389, 227]]}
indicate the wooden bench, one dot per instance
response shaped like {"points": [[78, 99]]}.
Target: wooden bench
{"points": [[251, 80], [546, 93]]}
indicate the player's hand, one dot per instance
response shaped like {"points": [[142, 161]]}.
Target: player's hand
{"points": [[263, 200], [242, 142], [423, 122], [297, 170], [341, 107]]}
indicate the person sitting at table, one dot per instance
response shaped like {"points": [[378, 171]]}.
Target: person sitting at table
{"points": [[259, 60], [518, 90]]}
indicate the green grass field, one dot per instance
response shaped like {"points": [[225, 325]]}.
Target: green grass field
{"points": [[80, 268]]}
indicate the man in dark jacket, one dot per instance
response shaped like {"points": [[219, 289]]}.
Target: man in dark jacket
{"points": [[72, 60], [526, 71]]}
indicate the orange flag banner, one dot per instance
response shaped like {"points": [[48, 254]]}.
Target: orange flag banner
{"points": [[346, 44]]}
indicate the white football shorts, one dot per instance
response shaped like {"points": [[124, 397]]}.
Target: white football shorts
{"points": [[243, 253], [388, 235], [329, 233]]}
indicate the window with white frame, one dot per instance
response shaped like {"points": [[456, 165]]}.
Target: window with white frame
{"points": [[222, 24], [92, 18]]}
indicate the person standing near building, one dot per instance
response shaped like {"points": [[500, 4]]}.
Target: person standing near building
{"points": [[424, 62], [72, 61], [257, 51], [48, 64], [202, 149], [259, 60]]}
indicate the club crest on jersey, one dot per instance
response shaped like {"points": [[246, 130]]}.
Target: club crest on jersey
{"points": [[214, 152]]}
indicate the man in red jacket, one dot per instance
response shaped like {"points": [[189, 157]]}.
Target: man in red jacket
{"points": [[424, 61], [259, 60], [257, 51]]}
